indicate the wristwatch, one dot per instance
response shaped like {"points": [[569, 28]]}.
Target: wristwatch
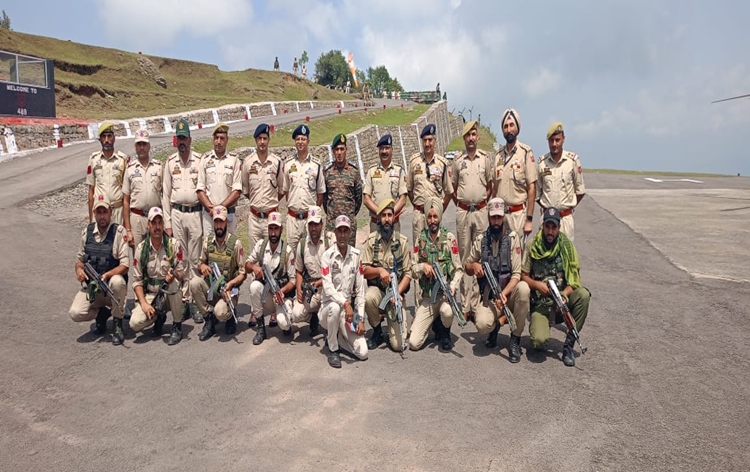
{"points": [[529, 217]]}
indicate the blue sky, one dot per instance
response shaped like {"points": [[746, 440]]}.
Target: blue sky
{"points": [[631, 80]]}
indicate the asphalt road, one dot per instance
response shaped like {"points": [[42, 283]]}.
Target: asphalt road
{"points": [[663, 386]]}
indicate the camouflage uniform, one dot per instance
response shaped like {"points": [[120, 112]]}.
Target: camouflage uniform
{"points": [[344, 196]]}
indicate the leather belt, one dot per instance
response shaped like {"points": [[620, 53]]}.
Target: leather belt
{"points": [[297, 215], [419, 208], [515, 208], [187, 208], [472, 207], [566, 212], [138, 212], [262, 214]]}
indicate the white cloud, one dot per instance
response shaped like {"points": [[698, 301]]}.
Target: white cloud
{"points": [[156, 23], [542, 82]]}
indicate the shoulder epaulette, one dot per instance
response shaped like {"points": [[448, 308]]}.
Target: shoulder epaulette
{"points": [[354, 250], [352, 164], [328, 166]]}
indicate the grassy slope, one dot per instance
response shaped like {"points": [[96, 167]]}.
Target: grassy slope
{"points": [[95, 83], [322, 130], [486, 141]]}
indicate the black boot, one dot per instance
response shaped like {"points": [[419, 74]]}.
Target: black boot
{"points": [[376, 339], [314, 324], [437, 328], [176, 335], [260, 332], [492, 337], [185, 310], [100, 329], [334, 359], [514, 350], [197, 317], [230, 327], [569, 358], [118, 337], [446, 343], [209, 329], [161, 318]]}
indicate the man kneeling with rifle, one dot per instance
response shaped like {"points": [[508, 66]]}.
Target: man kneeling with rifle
{"points": [[552, 256], [158, 269], [495, 259], [272, 262], [386, 249], [222, 267], [438, 267], [102, 267]]}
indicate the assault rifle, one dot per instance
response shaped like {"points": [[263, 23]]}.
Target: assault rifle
{"points": [[308, 289], [565, 312], [96, 283], [393, 296], [218, 284], [495, 289], [273, 287], [441, 284]]}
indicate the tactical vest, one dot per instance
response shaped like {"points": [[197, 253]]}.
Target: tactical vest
{"points": [[398, 255], [99, 255], [543, 270], [432, 252], [500, 264], [279, 273], [169, 248], [223, 259], [303, 243]]}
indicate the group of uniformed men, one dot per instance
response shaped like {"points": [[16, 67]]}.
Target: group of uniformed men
{"points": [[179, 220]]}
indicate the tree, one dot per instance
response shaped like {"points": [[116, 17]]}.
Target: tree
{"points": [[332, 69], [5, 21], [380, 80], [303, 59], [361, 78]]}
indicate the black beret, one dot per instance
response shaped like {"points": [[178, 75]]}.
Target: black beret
{"points": [[385, 140], [301, 130], [427, 131], [261, 129]]}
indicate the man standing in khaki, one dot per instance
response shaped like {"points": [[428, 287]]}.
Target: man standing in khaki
{"points": [[219, 180], [158, 261], [141, 189], [429, 176], [262, 184], [472, 179], [182, 209], [515, 176], [105, 171], [561, 179], [385, 180], [304, 186], [104, 246]]}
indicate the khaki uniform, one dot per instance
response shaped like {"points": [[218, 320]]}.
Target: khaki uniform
{"points": [[261, 183], [83, 310], [424, 180], [303, 181], [144, 186], [199, 285], [470, 179], [106, 176], [427, 311], [302, 312], [219, 177], [382, 183], [559, 184], [157, 268], [375, 293], [514, 172], [342, 281], [518, 301], [272, 259], [183, 210]]}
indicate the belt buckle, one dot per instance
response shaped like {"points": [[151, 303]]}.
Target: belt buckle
{"points": [[301, 216], [472, 207], [262, 215]]}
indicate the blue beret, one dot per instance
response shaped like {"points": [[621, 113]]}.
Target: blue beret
{"points": [[427, 131], [385, 140], [261, 129], [301, 130]]}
